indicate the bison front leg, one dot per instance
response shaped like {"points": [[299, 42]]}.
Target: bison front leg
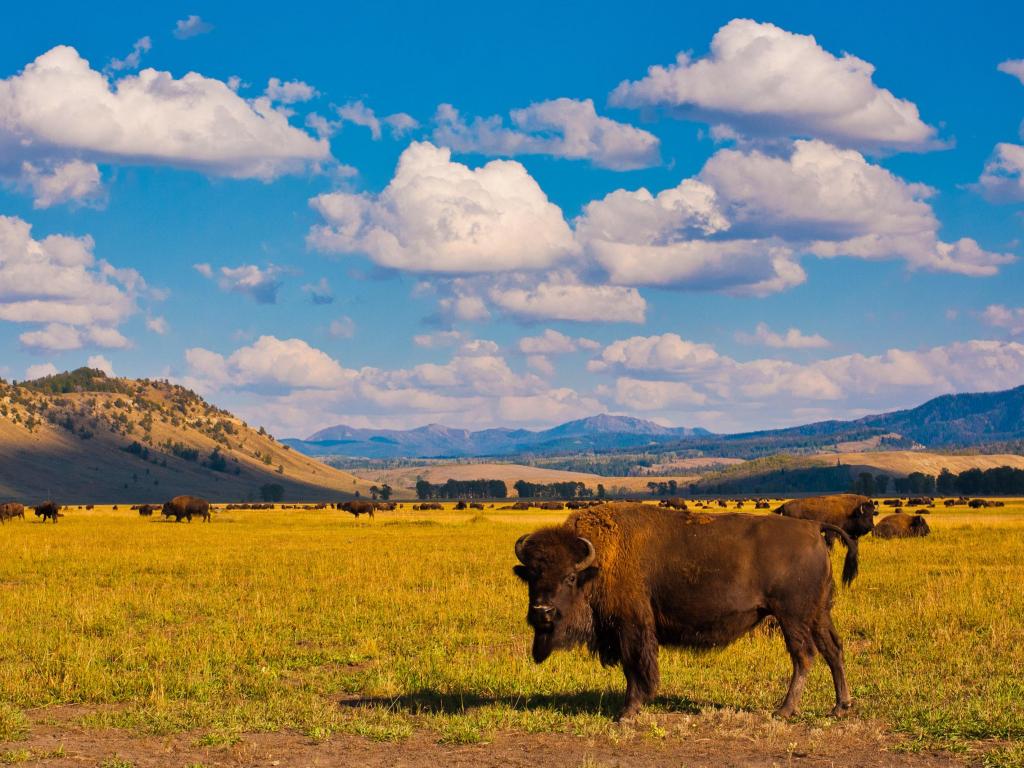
{"points": [[639, 648]]}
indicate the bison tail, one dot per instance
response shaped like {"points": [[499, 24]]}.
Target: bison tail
{"points": [[851, 563]]}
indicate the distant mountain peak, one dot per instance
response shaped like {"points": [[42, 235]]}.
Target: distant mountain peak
{"points": [[602, 431]]}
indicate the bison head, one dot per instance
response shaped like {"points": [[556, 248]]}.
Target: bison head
{"points": [[862, 519], [919, 526], [556, 566]]}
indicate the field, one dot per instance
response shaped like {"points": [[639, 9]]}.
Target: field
{"points": [[404, 479], [304, 638]]}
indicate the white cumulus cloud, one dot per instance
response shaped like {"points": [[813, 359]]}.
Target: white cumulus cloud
{"points": [[58, 109], [567, 128], [58, 282], [73, 181], [761, 80], [793, 338], [436, 215], [1000, 316], [191, 26], [260, 284]]}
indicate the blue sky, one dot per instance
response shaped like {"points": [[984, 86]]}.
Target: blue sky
{"points": [[762, 232]]}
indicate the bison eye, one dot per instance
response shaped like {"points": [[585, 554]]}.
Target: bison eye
{"points": [[570, 579]]}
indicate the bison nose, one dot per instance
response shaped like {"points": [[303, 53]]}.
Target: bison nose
{"points": [[542, 614]]}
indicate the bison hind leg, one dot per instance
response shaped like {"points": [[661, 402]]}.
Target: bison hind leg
{"points": [[800, 644], [828, 642]]}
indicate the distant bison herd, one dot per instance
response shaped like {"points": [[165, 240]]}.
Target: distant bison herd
{"points": [[854, 514]]}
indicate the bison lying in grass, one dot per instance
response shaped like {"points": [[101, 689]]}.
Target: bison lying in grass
{"points": [[901, 526], [624, 579], [187, 507], [854, 514]]}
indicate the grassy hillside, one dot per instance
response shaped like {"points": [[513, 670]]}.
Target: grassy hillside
{"points": [[83, 437], [831, 472], [901, 463]]}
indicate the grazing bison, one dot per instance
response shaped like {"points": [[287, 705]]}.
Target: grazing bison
{"points": [[854, 514], [901, 526], [146, 510], [48, 510], [624, 579], [675, 502], [357, 508], [11, 510], [187, 507]]}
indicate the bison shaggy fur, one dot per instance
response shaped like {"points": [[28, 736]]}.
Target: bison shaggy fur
{"points": [[625, 579]]}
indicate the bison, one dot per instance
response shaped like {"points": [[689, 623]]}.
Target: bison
{"points": [[48, 510], [357, 508], [11, 510], [187, 507], [624, 579], [901, 526], [674, 502], [854, 514], [146, 510]]}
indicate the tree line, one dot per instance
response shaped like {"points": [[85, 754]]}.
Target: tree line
{"points": [[461, 489], [998, 481]]}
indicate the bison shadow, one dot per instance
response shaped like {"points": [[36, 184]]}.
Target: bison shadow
{"points": [[579, 703]]}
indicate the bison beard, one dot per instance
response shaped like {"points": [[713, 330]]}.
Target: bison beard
{"points": [[625, 579]]}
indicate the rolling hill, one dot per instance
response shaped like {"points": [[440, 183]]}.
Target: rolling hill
{"points": [[83, 437]]}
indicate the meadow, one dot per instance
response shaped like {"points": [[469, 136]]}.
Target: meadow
{"points": [[412, 626]]}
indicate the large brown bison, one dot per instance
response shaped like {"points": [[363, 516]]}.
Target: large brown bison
{"points": [[901, 526], [187, 507], [48, 510], [357, 508], [11, 510], [854, 514], [624, 579]]}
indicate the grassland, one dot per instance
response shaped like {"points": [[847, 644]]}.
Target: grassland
{"points": [[409, 630]]}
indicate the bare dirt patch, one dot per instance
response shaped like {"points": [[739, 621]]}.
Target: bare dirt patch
{"points": [[720, 739]]}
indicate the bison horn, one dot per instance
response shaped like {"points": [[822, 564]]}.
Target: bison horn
{"points": [[520, 547], [589, 558]]}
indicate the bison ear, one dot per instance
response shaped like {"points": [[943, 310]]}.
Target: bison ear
{"points": [[586, 575], [521, 571]]}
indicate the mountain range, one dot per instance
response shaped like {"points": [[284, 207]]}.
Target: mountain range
{"points": [[948, 421], [595, 433]]}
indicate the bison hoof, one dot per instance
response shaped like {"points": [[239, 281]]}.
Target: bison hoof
{"points": [[628, 713], [842, 710], [784, 712]]}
